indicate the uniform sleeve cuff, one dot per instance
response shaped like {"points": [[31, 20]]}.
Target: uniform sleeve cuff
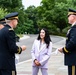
{"points": [[19, 50], [65, 50]]}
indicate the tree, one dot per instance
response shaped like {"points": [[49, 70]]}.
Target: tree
{"points": [[31, 12], [2, 13], [11, 5], [55, 11]]}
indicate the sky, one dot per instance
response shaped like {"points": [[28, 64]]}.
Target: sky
{"points": [[27, 3]]}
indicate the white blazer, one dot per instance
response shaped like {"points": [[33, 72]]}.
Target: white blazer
{"points": [[41, 55]]}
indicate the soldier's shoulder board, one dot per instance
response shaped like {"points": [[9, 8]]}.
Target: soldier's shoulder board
{"points": [[10, 28]]}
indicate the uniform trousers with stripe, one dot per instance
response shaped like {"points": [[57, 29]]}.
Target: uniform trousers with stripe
{"points": [[36, 70], [71, 70], [7, 72]]}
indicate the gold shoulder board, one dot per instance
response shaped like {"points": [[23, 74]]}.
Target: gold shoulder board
{"points": [[10, 28]]}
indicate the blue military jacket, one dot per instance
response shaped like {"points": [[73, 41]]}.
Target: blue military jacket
{"points": [[70, 47], [8, 48]]}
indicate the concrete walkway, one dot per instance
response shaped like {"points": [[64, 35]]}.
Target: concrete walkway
{"points": [[55, 66], [24, 37]]}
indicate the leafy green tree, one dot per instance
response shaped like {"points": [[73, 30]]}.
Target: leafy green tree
{"points": [[55, 11], [11, 5], [45, 18], [46, 24], [51, 14], [31, 12], [15, 6], [60, 18], [2, 13]]}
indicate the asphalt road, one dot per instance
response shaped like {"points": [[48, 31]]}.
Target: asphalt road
{"points": [[26, 55]]}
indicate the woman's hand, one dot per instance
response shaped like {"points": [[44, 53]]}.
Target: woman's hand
{"points": [[37, 62]]}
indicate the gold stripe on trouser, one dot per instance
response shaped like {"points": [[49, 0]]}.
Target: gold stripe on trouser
{"points": [[13, 72], [73, 70]]}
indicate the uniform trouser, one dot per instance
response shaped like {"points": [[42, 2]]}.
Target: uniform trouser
{"points": [[36, 70], [71, 70], [7, 72]]}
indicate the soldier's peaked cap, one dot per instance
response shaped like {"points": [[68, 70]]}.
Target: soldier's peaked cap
{"points": [[71, 12], [13, 15], [2, 21]]}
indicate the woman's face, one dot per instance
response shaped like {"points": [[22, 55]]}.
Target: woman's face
{"points": [[42, 34]]}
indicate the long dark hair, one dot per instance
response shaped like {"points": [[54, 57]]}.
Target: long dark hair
{"points": [[47, 38]]}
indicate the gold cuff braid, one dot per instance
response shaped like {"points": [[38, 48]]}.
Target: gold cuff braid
{"points": [[65, 50]]}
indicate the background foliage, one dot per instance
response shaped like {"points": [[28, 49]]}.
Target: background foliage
{"points": [[51, 14]]}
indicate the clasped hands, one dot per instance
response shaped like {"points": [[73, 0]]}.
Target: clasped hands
{"points": [[37, 62]]}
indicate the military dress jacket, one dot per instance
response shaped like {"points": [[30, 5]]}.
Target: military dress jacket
{"points": [[8, 48], [70, 47]]}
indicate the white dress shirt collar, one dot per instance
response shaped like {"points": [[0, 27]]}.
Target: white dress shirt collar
{"points": [[74, 23]]}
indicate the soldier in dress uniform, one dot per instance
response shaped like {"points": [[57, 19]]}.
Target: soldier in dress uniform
{"points": [[8, 46], [70, 47]]}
